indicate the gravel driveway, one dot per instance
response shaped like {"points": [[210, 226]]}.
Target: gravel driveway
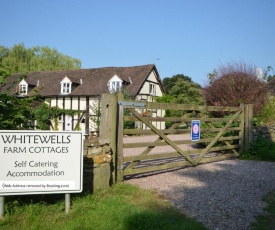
{"points": [[222, 195]]}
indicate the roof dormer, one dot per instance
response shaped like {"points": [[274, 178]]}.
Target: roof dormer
{"points": [[22, 87], [66, 85], [114, 84]]}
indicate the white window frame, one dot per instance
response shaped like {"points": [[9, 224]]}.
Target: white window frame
{"points": [[66, 86], [23, 87], [114, 84], [152, 89]]}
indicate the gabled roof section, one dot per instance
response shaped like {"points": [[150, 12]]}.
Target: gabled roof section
{"points": [[115, 78], [71, 80], [23, 82], [65, 79], [94, 80]]}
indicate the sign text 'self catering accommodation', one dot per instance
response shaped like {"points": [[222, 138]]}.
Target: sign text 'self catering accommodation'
{"points": [[40, 162]]}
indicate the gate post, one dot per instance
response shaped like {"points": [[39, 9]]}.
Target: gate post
{"points": [[108, 127], [242, 124], [248, 129], [119, 168]]}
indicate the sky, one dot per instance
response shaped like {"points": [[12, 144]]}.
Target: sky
{"points": [[190, 37]]}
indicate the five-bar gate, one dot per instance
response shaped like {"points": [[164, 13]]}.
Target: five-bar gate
{"points": [[157, 136]]}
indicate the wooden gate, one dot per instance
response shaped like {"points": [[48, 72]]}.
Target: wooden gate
{"points": [[157, 136]]}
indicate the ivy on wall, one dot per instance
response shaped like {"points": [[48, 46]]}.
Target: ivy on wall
{"points": [[44, 114]]}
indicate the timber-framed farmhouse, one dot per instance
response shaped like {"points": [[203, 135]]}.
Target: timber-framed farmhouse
{"points": [[82, 89]]}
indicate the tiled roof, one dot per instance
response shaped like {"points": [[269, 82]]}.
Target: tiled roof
{"points": [[94, 81]]}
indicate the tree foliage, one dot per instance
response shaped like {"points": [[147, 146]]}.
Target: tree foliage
{"points": [[234, 84], [169, 82], [22, 59], [182, 90], [212, 76], [269, 73], [15, 113], [19, 113]]}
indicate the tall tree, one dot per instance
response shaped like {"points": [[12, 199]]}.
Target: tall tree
{"points": [[181, 89], [22, 59], [169, 82], [17, 113]]}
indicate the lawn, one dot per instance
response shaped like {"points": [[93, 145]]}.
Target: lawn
{"points": [[123, 206]]}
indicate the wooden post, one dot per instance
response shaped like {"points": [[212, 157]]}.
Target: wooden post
{"points": [[87, 119], [242, 124], [119, 167], [108, 126], [120, 96], [248, 136]]}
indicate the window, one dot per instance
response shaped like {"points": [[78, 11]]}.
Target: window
{"points": [[114, 84], [23, 87], [152, 89], [60, 118], [66, 86]]}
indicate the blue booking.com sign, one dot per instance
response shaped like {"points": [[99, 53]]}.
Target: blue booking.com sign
{"points": [[195, 130]]}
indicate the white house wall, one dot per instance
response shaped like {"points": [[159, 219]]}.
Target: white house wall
{"points": [[144, 95], [78, 104], [152, 78]]}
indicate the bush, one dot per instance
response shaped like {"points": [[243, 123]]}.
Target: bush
{"points": [[261, 150], [234, 84], [220, 125], [267, 114]]}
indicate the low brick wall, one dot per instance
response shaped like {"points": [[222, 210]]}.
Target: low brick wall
{"points": [[264, 131], [97, 168]]}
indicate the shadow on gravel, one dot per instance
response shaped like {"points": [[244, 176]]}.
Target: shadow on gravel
{"points": [[222, 195]]}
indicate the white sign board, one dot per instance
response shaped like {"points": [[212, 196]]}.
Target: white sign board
{"points": [[37, 162]]}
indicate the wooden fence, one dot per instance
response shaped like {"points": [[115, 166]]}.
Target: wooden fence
{"points": [[224, 132]]}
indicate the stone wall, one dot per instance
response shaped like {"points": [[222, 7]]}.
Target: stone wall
{"points": [[97, 168], [264, 131]]}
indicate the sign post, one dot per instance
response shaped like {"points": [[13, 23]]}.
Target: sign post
{"points": [[67, 202], [2, 205], [195, 130], [40, 162]]}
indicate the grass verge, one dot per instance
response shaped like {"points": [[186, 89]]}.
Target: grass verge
{"points": [[261, 150], [123, 206], [267, 221]]}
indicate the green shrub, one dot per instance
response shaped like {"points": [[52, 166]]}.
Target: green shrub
{"points": [[219, 125], [261, 150], [265, 222], [267, 114]]}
